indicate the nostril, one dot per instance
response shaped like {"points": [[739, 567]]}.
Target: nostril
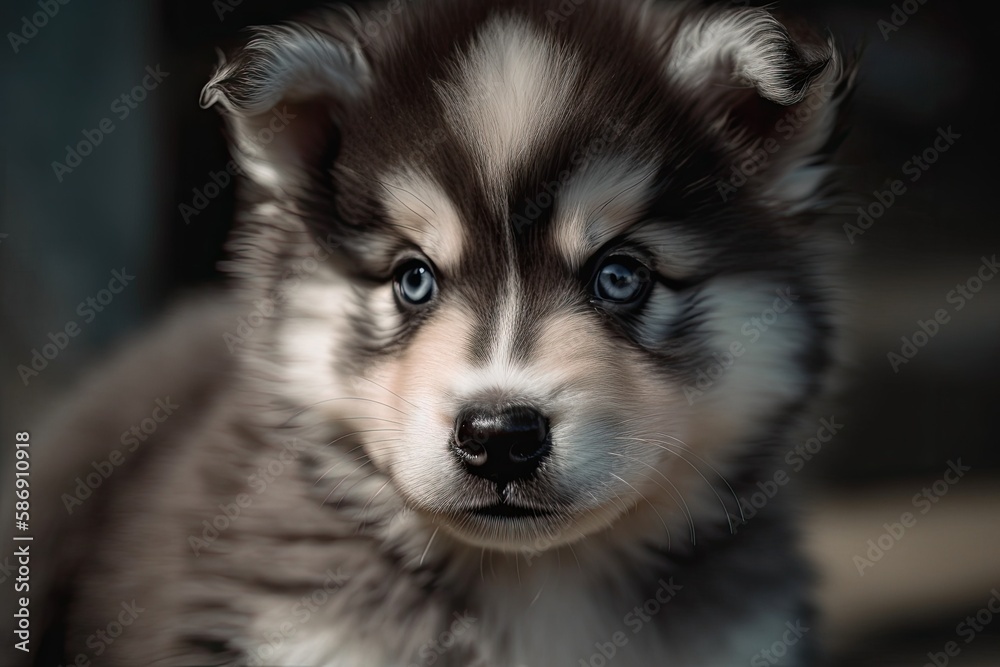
{"points": [[531, 437], [470, 442], [502, 444]]}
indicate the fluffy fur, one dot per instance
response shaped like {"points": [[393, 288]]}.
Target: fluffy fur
{"points": [[510, 145]]}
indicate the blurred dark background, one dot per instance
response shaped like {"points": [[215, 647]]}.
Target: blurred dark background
{"points": [[139, 200]]}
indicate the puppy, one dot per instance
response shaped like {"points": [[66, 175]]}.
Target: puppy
{"points": [[528, 295]]}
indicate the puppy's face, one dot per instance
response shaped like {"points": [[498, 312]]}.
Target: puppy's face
{"points": [[569, 282]]}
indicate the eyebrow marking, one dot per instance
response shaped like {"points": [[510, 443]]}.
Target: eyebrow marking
{"points": [[389, 190], [418, 206], [599, 202]]}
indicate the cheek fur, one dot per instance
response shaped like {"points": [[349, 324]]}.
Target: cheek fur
{"points": [[313, 331], [767, 325], [413, 389]]}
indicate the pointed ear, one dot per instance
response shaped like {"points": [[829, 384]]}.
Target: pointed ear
{"points": [[774, 96], [281, 96]]}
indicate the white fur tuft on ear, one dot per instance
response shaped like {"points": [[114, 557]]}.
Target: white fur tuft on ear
{"points": [[773, 99], [280, 95], [745, 46]]}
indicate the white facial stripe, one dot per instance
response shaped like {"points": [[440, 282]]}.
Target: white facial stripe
{"points": [[424, 213], [510, 89], [600, 202], [507, 320], [501, 380], [504, 378]]}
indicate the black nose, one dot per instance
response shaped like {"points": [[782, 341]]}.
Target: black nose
{"points": [[501, 445]]}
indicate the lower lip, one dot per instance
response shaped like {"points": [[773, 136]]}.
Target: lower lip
{"points": [[509, 512]]}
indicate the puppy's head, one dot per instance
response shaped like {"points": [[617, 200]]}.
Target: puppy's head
{"points": [[566, 277]]}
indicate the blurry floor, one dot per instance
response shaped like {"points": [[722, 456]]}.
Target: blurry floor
{"points": [[916, 597]]}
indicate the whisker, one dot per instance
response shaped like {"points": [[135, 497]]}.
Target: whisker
{"points": [[665, 448], [376, 442], [390, 391], [380, 419], [539, 593], [367, 430], [594, 512], [342, 398], [651, 505], [358, 458], [680, 497], [346, 477], [625, 508], [427, 548], [687, 448], [348, 492], [575, 557], [340, 463], [374, 495]]}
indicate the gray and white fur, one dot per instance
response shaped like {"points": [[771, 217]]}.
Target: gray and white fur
{"points": [[584, 235]]}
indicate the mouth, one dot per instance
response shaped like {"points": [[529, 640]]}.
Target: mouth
{"points": [[506, 511], [511, 527]]}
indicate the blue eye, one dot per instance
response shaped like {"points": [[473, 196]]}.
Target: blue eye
{"points": [[621, 280], [415, 283]]}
